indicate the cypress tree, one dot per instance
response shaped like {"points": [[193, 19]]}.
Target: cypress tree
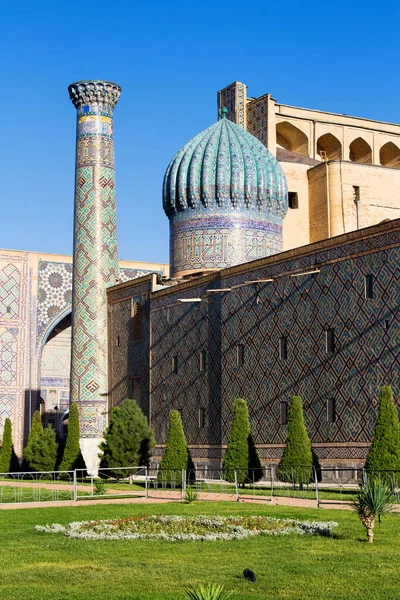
{"points": [[128, 439], [6, 448], [237, 451], [34, 434], [297, 459], [384, 452], [15, 466], [43, 451], [72, 457], [176, 455], [255, 471]]}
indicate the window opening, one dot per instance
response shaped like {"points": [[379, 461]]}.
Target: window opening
{"points": [[203, 361], [369, 286], [330, 340], [293, 200], [202, 415], [240, 355], [175, 363], [284, 413], [283, 348], [331, 410]]}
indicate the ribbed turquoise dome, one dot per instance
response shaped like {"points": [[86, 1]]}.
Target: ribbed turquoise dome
{"points": [[225, 196], [224, 165]]}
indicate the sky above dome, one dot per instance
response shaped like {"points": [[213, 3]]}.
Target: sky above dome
{"points": [[170, 60]]}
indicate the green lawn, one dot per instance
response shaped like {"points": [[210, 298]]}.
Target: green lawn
{"points": [[39, 566]]}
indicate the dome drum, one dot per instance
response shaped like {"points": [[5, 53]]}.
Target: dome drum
{"points": [[218, 241]]}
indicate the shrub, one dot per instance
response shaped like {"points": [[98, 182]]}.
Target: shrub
{"points": [[384, 452], [191, 495], [99, 487], [43, 451], [34, 434], [374, 499], [209, 592], [72, 456], [297, 459], [6, 448], [128, 440], [176, 455], [237, 451]]}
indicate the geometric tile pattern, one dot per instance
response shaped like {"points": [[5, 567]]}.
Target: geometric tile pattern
{"points": [[128, 274], [7, 411], [257, 118], [95, 249], [129, 359], [367, 346], [17, 338], [213, 242], [8, 357], [54, 293], [233, 98], [9, 292], [55, 290]]}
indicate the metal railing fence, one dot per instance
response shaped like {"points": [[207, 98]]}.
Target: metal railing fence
{"points": [[325, 485]]}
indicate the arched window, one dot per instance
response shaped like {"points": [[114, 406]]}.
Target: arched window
{"points": [[136, 322], [291, 138], [389, 155], [360, 152], [329, 147]]}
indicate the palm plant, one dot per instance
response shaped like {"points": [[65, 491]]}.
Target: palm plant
{"points": [[374, 498], [209, 592]]}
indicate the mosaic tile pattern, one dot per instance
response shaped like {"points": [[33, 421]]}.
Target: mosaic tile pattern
{"points": [[257, 118], [17, 331], [129, 359], [9, 291], [224, 195], [95, 249], [367, 341], [7, 411], [234, 98], [128, 274], [8, 357], [54, 293]]}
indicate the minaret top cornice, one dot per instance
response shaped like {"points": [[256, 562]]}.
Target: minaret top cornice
{"points": [[102, 93]]}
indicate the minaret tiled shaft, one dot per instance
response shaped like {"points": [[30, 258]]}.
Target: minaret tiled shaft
{"points": [[95, 265]]}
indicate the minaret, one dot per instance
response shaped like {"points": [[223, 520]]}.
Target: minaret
{"points": [[95, 265]]}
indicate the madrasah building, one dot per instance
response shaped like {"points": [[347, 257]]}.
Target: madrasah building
{"points": [[283, 280]]}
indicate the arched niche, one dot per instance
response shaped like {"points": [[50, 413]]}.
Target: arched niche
{"points": [[389, 155], [291, 138], [55, 367], [329, 147], [360, 151]]}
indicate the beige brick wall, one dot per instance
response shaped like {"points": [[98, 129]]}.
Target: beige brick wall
{"points": [[296, 223]]}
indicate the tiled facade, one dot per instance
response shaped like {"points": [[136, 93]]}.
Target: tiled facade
{"points": [[35, 300], [295, 305]]}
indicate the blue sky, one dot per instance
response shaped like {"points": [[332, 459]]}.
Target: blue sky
{"points": [[170, 59]]}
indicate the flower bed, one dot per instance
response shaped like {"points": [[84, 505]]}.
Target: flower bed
{"points": [[193, 528]]}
